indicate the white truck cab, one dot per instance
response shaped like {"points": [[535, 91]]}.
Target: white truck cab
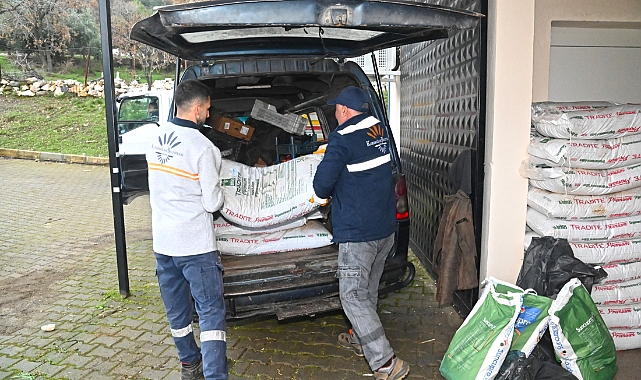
{"points": [[139, 113]]}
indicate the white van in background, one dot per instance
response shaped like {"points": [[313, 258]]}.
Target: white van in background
{"points": [[139, 113]]}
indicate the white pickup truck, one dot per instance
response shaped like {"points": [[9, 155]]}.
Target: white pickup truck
{"points": [[139, 113]]}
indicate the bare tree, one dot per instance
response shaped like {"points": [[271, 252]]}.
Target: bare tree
{"points": [[41, 25], [124, 14]]}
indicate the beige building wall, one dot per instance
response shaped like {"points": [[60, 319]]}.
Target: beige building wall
{"points": [[509, 95], [548, 11]]}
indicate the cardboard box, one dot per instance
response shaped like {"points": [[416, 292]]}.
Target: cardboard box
{"points": [[231, 127]]}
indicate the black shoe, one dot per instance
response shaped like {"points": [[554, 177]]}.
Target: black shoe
{"points": [[192, 372]]}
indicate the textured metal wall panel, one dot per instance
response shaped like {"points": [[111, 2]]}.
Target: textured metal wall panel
{"points": [[440, 104]]}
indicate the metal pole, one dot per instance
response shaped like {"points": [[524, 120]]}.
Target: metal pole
{"points": [[114, 171]]}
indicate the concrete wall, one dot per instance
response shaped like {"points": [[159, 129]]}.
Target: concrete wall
{"points": [[548, 11], [509, 95]]}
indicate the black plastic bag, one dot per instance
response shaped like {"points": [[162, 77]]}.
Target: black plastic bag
{"points": [[517, 367], [549, 263]]}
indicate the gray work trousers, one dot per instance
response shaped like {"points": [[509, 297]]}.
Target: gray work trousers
{"points": [[360, 266]]}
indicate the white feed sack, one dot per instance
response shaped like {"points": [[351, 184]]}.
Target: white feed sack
{"points": [[623, 293], [223, 227], [620, 251], [621, 316], [584, 231], [586, 154], [583, 181], [585, 207], [626, 339], [264, 196], [539, 108], [620, 272], [311, 235], [603, 123]]}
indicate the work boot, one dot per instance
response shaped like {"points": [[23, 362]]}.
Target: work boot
{"points": [[396, 370], [347, 340], [192, 371]]}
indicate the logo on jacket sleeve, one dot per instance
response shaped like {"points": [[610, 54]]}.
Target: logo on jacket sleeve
{"points": [[380, 141], [165, 150]]}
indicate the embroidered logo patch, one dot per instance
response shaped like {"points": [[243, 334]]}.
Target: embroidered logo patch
{"points": [[380, 141]]}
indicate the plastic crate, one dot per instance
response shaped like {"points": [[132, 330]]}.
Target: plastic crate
{"points": [[291, 123]]}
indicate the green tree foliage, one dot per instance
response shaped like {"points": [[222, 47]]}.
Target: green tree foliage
{"points": [[39, 26], [84, 32], [50, 33]]}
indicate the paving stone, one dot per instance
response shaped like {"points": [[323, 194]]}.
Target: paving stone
{"points": [[336, 350], [104, 352], [74, 373], [24, 365], [311, 349], [149, 373], [235, 353], [267, 370], [49, 369], [102, 365], [10, 350], [240, 367], [306, 373]]}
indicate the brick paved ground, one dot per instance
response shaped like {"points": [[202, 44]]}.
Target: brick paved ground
{"points": [[57, 265]]}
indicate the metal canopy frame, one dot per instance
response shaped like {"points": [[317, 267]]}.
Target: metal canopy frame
{"points": [[112, 139]]}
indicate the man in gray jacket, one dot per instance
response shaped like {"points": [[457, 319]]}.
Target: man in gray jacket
{"points": [[184, 191]]}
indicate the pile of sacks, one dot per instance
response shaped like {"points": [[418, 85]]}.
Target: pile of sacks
{"points": [[584, 172], [499, 336], [95, 88], [270, 209]]}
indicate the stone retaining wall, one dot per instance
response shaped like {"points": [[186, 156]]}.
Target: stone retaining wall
{"points": [[95, 88]]}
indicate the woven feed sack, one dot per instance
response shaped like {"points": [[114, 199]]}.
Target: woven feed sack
{"points": [[311, 235], [598, 230], [621, 293], [574, 181], [585, 154], [532, 320], [585, 207], [603, 123], [481, 344], [264, 196], [223, 227], [580, 338], [538, 108], [621, 316], [626, 339], [622, 272]]}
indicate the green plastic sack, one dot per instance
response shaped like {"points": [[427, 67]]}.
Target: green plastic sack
{"points": [[532, 320], [481, 344], [581, 339]]}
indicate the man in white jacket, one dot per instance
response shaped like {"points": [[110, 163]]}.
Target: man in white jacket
{"points": [[184, 190]]}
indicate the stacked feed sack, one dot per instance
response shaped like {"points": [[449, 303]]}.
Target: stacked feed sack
{"points": [[270, 209], [585, 186]]}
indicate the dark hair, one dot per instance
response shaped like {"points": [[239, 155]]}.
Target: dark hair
{"points": [[190, 91]]}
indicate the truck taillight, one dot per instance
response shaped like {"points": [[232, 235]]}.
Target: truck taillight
{"points": [[402, 205]]}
